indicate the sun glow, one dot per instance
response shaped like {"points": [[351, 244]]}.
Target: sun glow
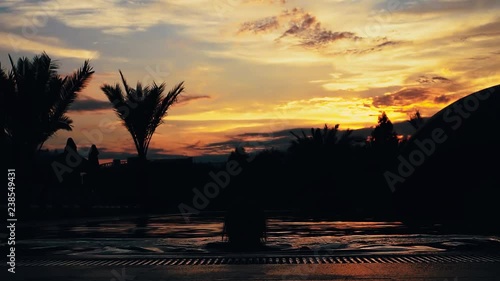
{"points": [[262, 66]]}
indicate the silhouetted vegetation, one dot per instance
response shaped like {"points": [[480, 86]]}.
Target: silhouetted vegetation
{"points": [[141, 109], [383, 136], [416, 120], [35, 100]]}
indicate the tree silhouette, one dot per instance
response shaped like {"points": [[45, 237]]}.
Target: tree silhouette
{"points": [[36, 99], [384, 135], [141, 109], [239, 155], [320, 139], [317, 164], [416, 120]]}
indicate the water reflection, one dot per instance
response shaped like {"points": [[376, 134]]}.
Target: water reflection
{"points": [[171, 235]]}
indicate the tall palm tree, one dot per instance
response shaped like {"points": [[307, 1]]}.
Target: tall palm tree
{"points": [[141, 109], [35, 101]]}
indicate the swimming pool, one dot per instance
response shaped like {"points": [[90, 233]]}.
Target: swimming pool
{"points": [[171, 235]]}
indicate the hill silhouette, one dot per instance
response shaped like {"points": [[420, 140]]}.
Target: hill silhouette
{"points": [[451, 163]]}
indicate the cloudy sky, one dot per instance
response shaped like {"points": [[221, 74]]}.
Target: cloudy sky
{"points": [[256, 66]]}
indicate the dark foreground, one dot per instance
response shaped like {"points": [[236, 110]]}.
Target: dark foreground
{"points": [[369, 271], [168, 248]]}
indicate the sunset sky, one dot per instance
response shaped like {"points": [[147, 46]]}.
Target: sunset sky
{"points": [[258, 66]]}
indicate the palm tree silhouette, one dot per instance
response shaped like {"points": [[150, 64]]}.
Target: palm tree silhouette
{"points": [[321, 137], [141, 109], [36, 101]]}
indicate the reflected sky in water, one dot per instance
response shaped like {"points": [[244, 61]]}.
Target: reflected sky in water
{"points": [[171, 235]]}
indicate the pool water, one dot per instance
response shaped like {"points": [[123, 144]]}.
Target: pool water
{"points": [[172, 235]]}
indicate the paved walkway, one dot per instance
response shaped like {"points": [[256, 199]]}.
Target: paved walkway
{"points": [[380, 271]]}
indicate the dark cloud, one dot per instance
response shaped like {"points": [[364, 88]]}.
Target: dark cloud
{"points": [[300, 25], [382, 100], [423, 79], [90, 104], [388, 43], [265, 135], [479, 58], [442, 99], [491, 29], [195, 145], [153, 153], [209, 149], [440, 78], [262, 25], [433, 89], [252, 141], [322, 37], [385, 43], [405, 96], [186, 99], [280, 140], [308, 30], [251, 144]]}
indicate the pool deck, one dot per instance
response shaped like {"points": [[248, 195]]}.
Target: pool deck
{"points": [[373, 271]]}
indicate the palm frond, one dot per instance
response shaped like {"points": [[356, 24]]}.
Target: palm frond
{"points": [[325, 138], [304, 134], [295, 135], [69, 88], [141, 109], [44, 69], [125, 85], [74, 83], [167, 101], [15, 74], [117, 99], [44, 96]]}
